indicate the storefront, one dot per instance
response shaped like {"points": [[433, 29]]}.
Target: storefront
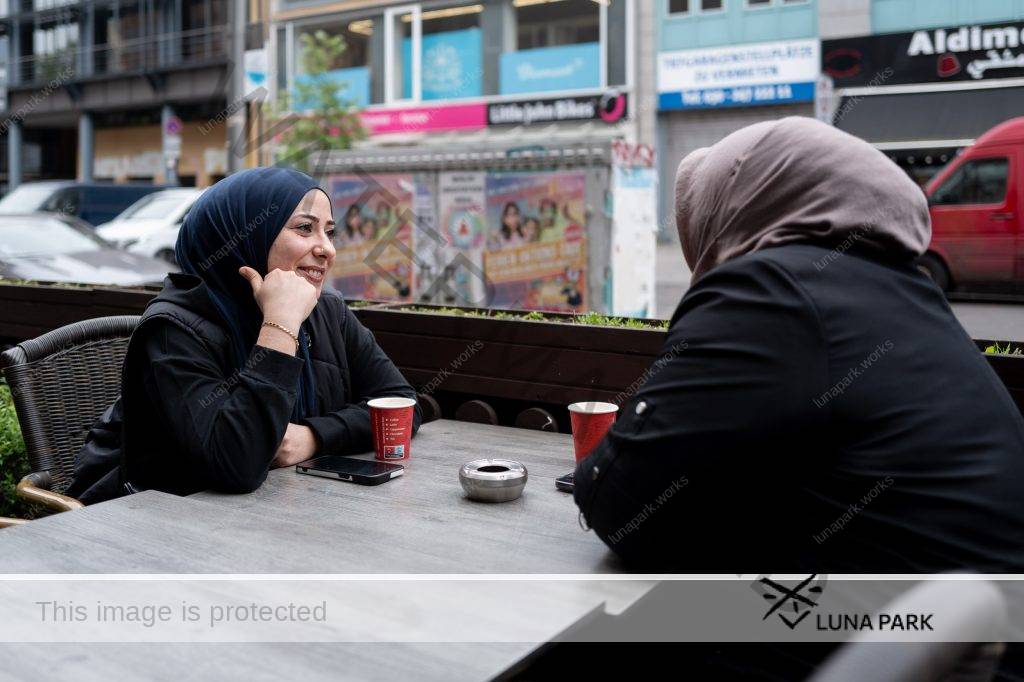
{"points": [[922, 96], [499, 126], [706, 94]]}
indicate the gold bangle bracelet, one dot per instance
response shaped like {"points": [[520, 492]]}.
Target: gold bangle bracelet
{"points": [[289, 332]]}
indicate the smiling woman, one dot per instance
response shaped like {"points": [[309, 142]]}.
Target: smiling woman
{"points": [[245, 362]]}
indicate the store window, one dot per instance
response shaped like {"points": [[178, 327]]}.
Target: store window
{"points": [[686, 6], [451, 53], [350, 68], [976, 182], [558, 47], [437, 53]]}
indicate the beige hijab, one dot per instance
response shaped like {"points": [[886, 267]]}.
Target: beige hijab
{"points": [[795, 180]]}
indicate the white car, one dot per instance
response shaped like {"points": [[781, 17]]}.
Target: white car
{"points": [[149, 227]]}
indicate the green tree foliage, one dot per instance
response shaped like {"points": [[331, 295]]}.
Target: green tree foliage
{"points": [[327, 120]]}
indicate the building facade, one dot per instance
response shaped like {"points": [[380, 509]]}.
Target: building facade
{"points": [[925, 78], [919, 79], [452, 67], [723, 65], [122, 90]]}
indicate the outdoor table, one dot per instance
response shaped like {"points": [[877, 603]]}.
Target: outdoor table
{"points": [[417, 523]]}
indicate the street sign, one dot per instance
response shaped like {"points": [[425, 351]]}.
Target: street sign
{"points": [[173, 126], [172, 145]]}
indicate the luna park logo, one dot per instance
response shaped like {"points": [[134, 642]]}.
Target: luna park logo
{"points": [[792, 604]]}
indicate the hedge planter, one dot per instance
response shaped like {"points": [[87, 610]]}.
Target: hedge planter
{"points": [[554, 360], [1008, 362], [28, 310], [514, 360]]}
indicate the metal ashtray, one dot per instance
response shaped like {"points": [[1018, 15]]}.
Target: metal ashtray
{"points": [[493, 480]]}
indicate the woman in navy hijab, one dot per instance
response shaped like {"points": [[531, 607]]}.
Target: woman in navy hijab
{"points": [[244, 362]]}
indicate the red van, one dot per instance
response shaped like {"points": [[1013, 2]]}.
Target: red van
{"points": [[976, 225]]}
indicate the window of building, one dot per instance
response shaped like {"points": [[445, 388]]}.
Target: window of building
{"points": [[758, 4], [976, 182], [685, 6], [204, 23], [450, 53], [350, 68], [557, 46], [54, 44]]}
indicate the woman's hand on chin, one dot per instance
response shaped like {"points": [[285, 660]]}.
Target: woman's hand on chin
{"points": [[299, 444]]}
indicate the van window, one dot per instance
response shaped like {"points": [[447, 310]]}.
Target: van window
{"points": [[981, 181]]}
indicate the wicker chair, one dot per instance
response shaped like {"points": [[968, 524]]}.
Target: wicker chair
{"points": [[61, 382]]}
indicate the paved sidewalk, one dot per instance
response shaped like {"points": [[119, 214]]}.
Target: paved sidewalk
{"points": [[672, 279]]}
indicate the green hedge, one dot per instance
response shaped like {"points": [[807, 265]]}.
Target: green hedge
{"points": [[13, 460]]}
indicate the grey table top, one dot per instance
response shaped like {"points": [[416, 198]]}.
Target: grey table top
{"points": [[418, 523]]}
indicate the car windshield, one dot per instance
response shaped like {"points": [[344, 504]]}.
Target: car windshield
{"points": [[158, 205], [44, 236], [26, 198]]}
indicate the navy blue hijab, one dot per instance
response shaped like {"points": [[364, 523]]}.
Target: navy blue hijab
{"points": [[234, 223]]}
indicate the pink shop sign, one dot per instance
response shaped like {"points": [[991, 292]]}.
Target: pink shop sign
{"points": [[424, 119]]}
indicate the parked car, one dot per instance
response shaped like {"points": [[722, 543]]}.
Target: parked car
{"points": [[975, 208], [93, 202], [150, 226], [59, 248]]}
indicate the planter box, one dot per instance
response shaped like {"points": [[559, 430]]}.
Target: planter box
{"points": [[29, 310], [531, 361], [541, 362], [1010, 370], [521, 363]]}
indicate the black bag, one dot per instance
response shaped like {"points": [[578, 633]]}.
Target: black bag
{"points": [[98, 464]]}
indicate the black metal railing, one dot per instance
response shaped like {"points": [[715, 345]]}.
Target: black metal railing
{"points": [[134, 55]]}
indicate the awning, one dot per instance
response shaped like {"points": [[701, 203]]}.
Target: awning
{"points": [[951, 118], [515, 149]]}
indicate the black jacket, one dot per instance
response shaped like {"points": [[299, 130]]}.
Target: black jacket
{"points": [[191, 424], [813, 411]]}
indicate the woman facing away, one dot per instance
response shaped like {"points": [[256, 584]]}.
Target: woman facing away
{"points": [[244, 362], [817, 407]]}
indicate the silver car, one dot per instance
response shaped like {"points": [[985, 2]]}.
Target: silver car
{"points": [[54, 248]]}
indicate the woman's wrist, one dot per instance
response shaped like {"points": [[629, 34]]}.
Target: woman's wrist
{"points": [[276, 339]]}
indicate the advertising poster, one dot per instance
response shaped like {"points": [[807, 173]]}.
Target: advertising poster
{"points": [[535, 256], [374, 236], [426, 241], [634, 241], [462, 207]]}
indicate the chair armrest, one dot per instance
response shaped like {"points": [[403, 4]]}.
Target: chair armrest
{"points": [[35, 488], [6, 521]]}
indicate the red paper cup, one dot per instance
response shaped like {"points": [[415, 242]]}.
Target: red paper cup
{"points": [[391, 421], [590, 422]]}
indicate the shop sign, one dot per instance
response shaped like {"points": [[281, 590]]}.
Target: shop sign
{"points": [[567, 67], [609, 107], [955, 53], [425, 119], [738, 75]]}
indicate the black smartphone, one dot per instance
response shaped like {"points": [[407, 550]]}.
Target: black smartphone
{"points": [[566, 483], [362, 471]]}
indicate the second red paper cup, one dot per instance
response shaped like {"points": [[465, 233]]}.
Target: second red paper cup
{"points": [[391, 421], [590, 422]]}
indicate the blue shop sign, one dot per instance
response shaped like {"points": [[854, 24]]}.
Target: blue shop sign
{"points": [[451, 66], [567, 67]]}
